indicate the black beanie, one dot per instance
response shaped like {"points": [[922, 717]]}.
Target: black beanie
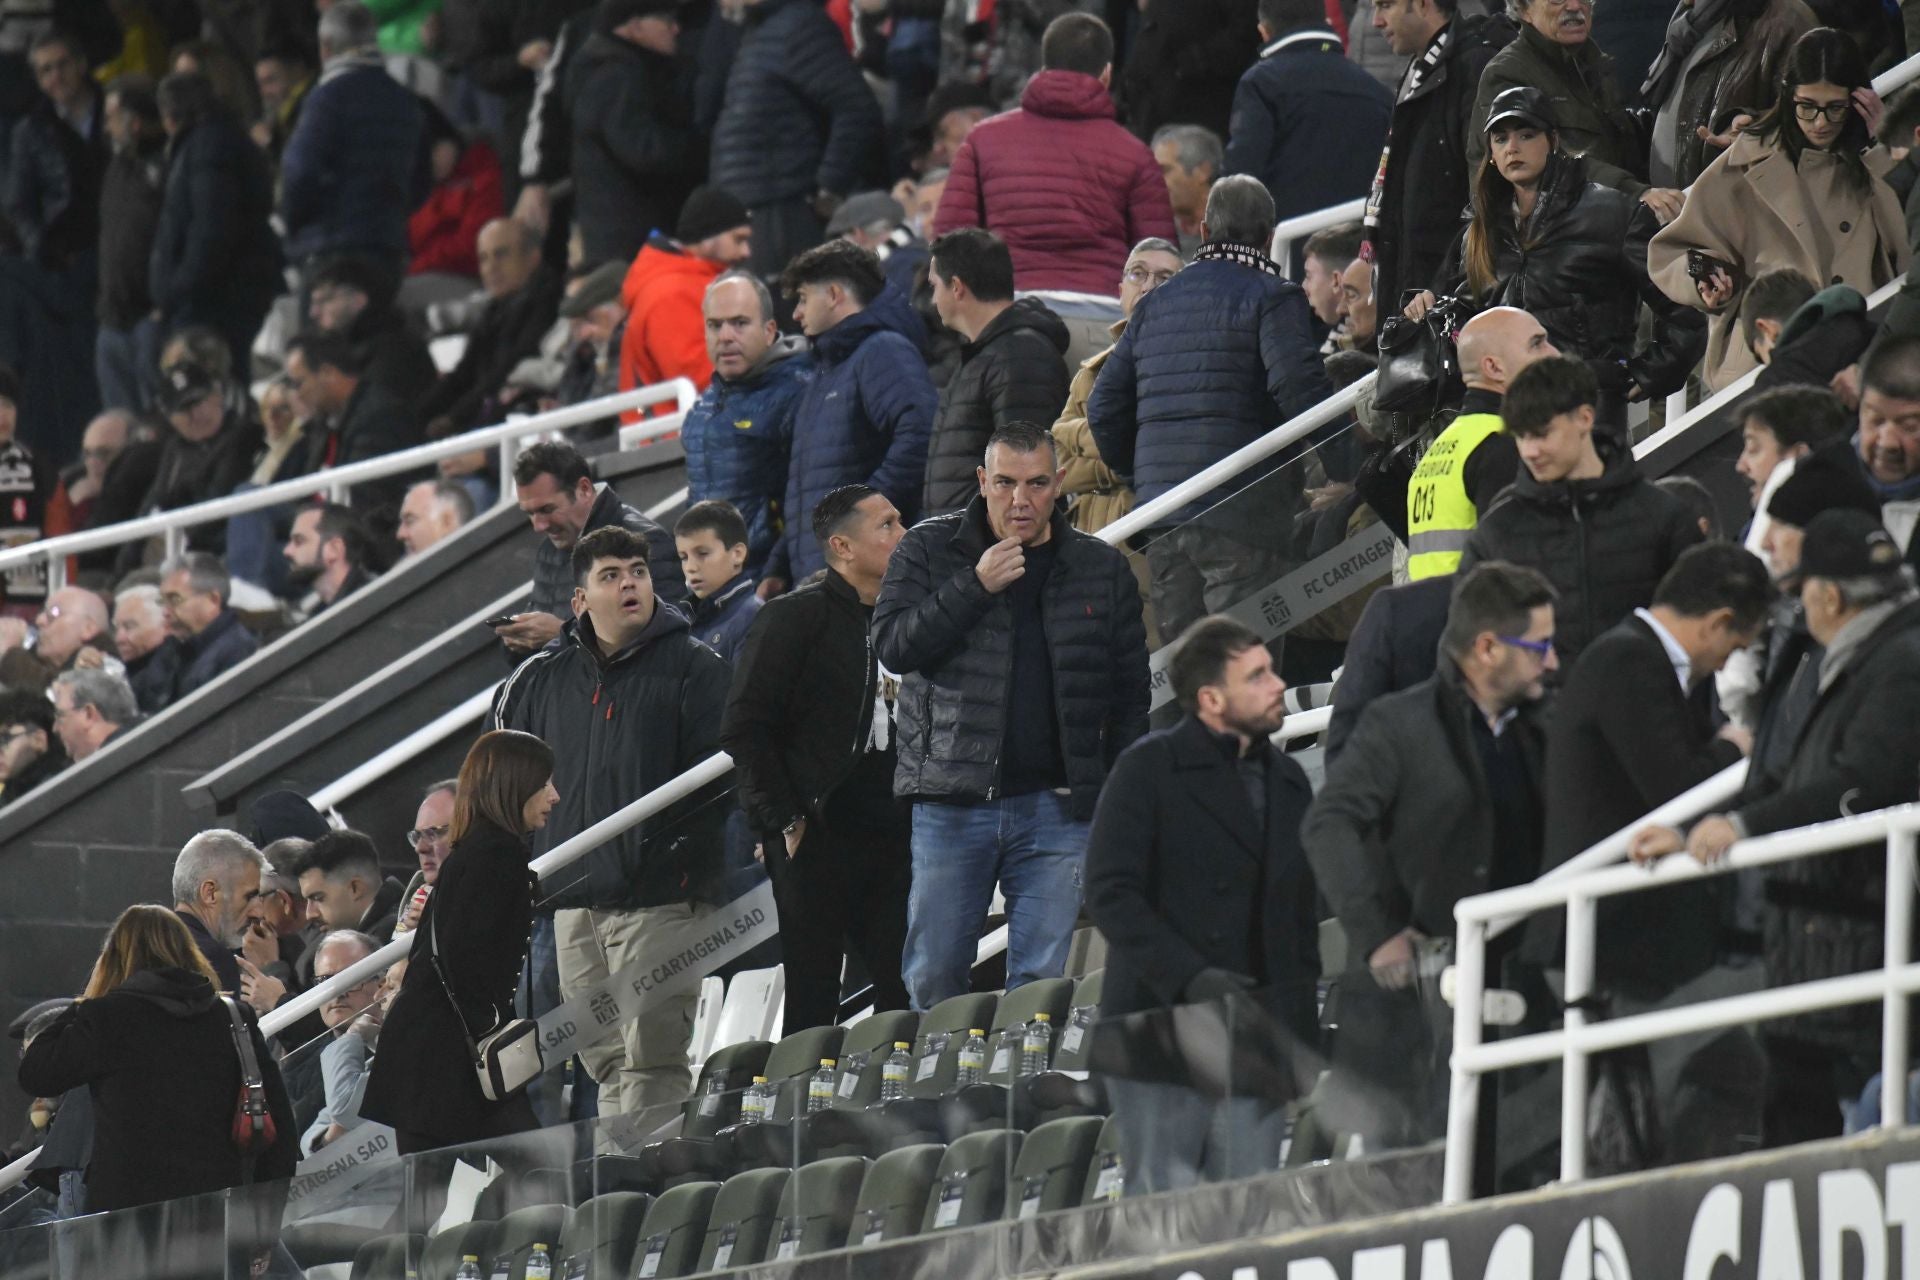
{"points": [[1824, 481], [708, 212]]}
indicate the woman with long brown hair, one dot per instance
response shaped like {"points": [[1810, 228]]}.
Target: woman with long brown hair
{"points": [[1543, 237], [1800, 188], [154, 1047], [480, 916]]}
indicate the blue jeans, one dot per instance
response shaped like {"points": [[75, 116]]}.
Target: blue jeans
{"points": [[126, 363], [1033, 847], [1173, 1138]]}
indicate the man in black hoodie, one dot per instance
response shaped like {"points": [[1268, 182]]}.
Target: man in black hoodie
{"points": [[1599, 531], [810, 731], [1012, 367], [628, 700]]}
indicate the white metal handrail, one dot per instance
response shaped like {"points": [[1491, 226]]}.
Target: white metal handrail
{"points": [[421, 740], [172, 525], [1290, 432], [1577, 1041]]}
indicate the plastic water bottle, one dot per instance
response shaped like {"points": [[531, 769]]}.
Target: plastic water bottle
{"points": [[1036, 1046], [820, 1087], [539, 1264], [895, 1070], [973, 1058], [756, 1107], [469, 1267]]}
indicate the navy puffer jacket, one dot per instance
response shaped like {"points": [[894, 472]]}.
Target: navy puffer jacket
{"points": [[738, 436], [351, 172], [864, 418], [951, 642], [215, 260], [1211, 361], [798, 116]]}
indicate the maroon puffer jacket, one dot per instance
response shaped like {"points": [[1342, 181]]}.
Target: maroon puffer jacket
{"points": [[1069, 190]]}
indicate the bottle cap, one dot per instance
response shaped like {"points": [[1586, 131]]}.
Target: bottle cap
{"points": [[759, 1079], [469, 1257], [1043, 1017], [976, 1032], [539, 1248], [826, 1062], [901, 1044]]}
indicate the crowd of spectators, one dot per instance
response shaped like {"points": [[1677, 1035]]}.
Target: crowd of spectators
{"points": [[956, 292]]}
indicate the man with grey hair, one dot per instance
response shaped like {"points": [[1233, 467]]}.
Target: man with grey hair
{"points": [[1190, 158], [146, 645], [329, 1105], [739, 435], [89, 707], [1212, 360], [216, 892], [348, 175], [432, 511], [195, 590]]}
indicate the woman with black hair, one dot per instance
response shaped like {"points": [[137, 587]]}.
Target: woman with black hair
{"points": [[1798, 188], [469, 946], [1571, 253]]}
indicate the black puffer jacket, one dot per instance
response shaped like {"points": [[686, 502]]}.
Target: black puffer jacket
{"points": [[1580, 269], [620, 726], [1860, 751], [951, 641], [798, 116], [1603, 543], [215, 258], [633, 145], [1016, 371]]}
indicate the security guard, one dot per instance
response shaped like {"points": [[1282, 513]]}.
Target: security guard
{"points": [[1473, 459]]}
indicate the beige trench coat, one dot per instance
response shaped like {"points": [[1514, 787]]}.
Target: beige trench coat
{"points": [[1746, 209]]}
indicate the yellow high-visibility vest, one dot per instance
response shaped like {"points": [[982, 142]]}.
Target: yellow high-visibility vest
{"points": [[1440, 515]]}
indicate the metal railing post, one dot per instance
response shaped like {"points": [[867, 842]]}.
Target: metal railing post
{"points": [[509, 449], [56, 573], [174, 541], [1463, 1105], [1573, 1064], [1899, 948]]}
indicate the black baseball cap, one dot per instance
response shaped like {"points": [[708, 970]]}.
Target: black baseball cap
{"points": [[1846, 543], [185, 385], [1524, 104]]}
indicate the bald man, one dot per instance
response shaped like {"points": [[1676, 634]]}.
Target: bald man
{"points": [[72, 619], [1474, 458]]}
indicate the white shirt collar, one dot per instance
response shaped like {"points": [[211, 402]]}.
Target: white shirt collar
{"points": [[1299, 37], [1682, 664]]}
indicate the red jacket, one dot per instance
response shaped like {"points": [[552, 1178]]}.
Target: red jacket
{"points": [[666, 333], [443, 231], [1068, 189]]}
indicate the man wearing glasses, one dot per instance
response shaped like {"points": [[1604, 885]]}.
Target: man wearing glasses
{"points": [[89, 708], [1579, 512], [430, 843], [28, 753], [1438, 795]]}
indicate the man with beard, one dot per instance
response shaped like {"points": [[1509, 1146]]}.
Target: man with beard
{"points": [[1437, 796], [327, 556], [1196, 877], [1888, 441], [216, 891]]}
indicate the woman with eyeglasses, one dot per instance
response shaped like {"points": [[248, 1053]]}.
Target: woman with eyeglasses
{"points": [[1543, 236], [468, 947], [1798, 188]]}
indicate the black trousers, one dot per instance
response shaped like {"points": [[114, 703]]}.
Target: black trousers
{"points": [[843, 892]]}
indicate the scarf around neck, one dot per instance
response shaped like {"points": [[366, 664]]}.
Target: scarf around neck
{"points": [[1239, 254]]}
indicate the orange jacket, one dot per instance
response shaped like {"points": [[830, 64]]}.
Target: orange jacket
{"points": [[666, 333]]}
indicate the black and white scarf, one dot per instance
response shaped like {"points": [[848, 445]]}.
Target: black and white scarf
{"points": [[1417, 72], [1238, 254]]}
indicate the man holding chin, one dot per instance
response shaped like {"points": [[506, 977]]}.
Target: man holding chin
{"points": [[1023, 665]]}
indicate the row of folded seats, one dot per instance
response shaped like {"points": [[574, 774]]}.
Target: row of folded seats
{"points": [[877, 1166], [770, 1215]]}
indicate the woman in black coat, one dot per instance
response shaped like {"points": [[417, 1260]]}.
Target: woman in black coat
{"points": [[154, 1047], [423, 1081], [1572, 254]]}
